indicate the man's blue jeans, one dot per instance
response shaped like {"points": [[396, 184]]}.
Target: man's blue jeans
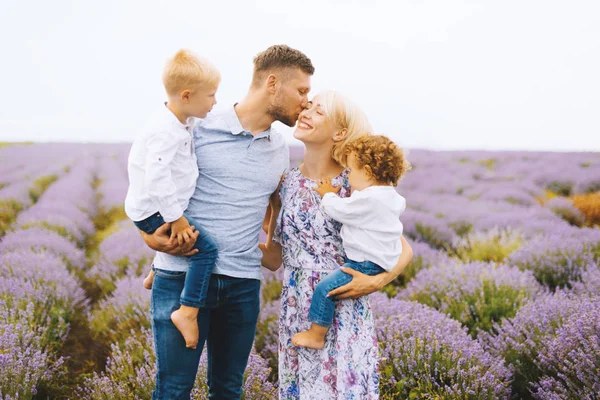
{"points": [[201, 263], [227, 322], [322, 307]]}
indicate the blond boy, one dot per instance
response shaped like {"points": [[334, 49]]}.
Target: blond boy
{"points": [[163, 170]]}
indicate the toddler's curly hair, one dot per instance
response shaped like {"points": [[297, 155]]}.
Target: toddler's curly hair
{"points": [[380, 157]]}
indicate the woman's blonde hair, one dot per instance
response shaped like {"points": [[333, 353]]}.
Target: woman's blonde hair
{"points": [[345, 114], [185, 70]]}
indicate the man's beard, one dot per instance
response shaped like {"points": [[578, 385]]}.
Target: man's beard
{"points": [[278, 113]]}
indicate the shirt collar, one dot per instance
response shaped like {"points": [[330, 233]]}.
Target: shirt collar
{"points": [[236, 128], [169, 116]]}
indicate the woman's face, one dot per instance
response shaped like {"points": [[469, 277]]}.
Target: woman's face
{"points": [[314, 126]]}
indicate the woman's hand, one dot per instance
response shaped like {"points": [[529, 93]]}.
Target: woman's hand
{"points": [[161, 241], [361, 285]]}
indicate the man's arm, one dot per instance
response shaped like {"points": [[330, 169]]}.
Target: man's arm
{"points": [[161, 241], [363, 284]]}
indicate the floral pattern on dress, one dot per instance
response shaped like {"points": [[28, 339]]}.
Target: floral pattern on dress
{"points": [[347, 367]]}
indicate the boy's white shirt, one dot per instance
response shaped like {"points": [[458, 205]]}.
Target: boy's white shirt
{"points": [[162, 168], [371, 228]]}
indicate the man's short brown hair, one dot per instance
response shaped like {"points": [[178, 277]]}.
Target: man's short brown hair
{"points": [[281, 56], [380, 157]]}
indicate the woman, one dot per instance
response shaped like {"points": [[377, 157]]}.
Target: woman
{"points": [[347, 367]]}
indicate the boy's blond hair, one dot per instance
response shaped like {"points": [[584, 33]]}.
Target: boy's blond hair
{"points": [[345, 115], [185, 70]]}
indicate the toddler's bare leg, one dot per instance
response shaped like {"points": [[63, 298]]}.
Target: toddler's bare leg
{"points": [[149, 280]]}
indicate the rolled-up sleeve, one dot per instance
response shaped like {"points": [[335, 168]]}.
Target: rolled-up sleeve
{"points": [[162, 148]]}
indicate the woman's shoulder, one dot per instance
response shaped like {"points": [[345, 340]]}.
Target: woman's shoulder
{"points": [[292, 177], [343, 181]]}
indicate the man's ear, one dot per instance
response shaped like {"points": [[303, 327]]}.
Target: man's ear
{"points": [[272, 84], [340, 135], [185, 96]]}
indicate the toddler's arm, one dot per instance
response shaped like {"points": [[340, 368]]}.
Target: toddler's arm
{"points": [[349, 210], [160, 150], [325, 186]]}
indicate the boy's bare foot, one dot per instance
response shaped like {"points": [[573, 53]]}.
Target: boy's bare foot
{"points": [[149, 280], [309, 339], [187, 323]]}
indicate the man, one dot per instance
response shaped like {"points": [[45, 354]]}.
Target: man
{"points": [[240, 162]]}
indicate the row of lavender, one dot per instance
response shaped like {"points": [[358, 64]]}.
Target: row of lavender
{"points": [[50, 191], [499, 300], [40, 258]]}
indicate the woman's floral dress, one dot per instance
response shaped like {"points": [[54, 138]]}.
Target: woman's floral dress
{"points": [[347, 367]]}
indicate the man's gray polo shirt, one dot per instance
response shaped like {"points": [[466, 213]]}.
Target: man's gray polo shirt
{"points": [[238, 173]]}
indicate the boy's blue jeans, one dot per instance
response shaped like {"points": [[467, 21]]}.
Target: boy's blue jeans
{"points": [[322, 307], [227, 324], [201, 263]]}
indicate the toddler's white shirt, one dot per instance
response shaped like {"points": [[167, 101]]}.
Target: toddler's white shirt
{"points": [[372, 227], [162, 168]]}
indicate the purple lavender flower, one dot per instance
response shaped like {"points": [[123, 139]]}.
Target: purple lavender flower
{"points": [[424, 256], [477, 294], [39, 240], [266, 340], [571, 359], [123, 252], [559, 259], [519, 340], [428, 354], [130, 373], [24, 362], [590, 281], [126, 309], [425, 227]]}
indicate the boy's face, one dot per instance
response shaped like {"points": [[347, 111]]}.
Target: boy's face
{"points": [[200, 101], [359, 178]]}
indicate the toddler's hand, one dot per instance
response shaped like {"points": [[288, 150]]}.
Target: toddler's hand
{"points": [[325, 187], [181, 230]]}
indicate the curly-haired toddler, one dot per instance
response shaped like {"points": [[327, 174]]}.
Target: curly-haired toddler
{"points": [[371, 228]]}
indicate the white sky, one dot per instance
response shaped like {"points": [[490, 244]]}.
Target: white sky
{"points": [[448, 74]]}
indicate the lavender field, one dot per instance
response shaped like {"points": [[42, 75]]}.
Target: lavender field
{"points": [[501, 300]]}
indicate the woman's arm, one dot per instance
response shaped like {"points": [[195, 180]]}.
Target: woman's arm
{"points": [[363, 284], [161, 241], [271, 250]]}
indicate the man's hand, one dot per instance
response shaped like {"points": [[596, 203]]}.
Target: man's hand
{"points": [[325, 187], [361, 285], [161, 241]]}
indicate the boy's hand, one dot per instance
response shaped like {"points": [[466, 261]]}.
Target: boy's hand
{"points": [[325, 187], [181, 230]]}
